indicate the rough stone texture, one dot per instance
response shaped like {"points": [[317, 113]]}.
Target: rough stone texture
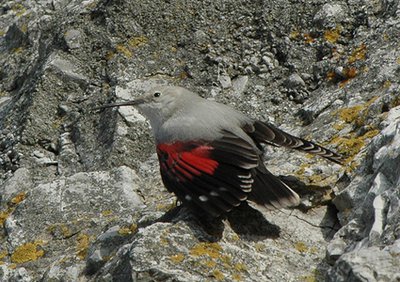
{"points": [[80, 194]]}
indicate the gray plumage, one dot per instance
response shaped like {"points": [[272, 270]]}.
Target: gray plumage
{"points": [[201, 143]]}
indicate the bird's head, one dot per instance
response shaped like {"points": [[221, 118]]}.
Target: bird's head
{"points": [[160, 103]]}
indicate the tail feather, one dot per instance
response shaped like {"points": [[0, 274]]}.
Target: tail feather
{"points": [[270, 192], [269, 134]]}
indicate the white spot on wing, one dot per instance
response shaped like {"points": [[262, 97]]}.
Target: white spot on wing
{"points": [[214, 194], [246, 188], [203, 198], [188, 198], [245, 176]]}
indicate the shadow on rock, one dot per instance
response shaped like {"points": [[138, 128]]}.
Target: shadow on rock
{"points": [[246, 222], [204, 227], [250, 224]]}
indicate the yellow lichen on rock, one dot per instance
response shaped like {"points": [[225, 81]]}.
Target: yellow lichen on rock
{"points": [[124, 50], [350, 114], [4, 215], [332, 35], [218, 275], [355, 114], [178, 258], [3, 254], [301, 247], [212, 250], [82, 246], [27, 252], [18, 198], [128, 230], [359, 54], [351, 144], [107, 213], [138, 41]]}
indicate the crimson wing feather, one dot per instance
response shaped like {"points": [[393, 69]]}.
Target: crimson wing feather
{"points": [[211, 176]]}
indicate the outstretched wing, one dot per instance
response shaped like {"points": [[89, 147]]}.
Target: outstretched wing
{"points": [[266, 133], [211, 176]]}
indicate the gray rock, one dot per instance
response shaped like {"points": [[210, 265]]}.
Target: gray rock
{"points": [[178, 252], [15, 37], [334, 250], [225, 81], [96, 195], [239, 84], [330, 15], [106, 245], [73, 38], [66, 69], [370, 198], [294, 81], [58, 272], [20, 182], [366, 264], [14, 275]]}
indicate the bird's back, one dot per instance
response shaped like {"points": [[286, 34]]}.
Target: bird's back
{"points": [[203, 120]]}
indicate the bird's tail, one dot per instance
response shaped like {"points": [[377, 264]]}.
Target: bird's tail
{"points": [[270, 192], [269, 134]]}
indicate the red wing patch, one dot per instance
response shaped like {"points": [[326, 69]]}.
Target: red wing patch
{"points": [[211, 176], [188, 158]]}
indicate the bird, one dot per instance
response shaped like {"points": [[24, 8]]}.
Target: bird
{"points": [[211, 155]]}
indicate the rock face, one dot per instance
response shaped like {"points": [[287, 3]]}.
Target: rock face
{"points": [[80, 194]]}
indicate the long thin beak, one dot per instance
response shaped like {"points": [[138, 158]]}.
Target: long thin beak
{"points": [[119, 104]]}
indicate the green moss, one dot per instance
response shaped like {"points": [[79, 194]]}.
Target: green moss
{"points": [[308, 278], [18, 50], [109, 55]]}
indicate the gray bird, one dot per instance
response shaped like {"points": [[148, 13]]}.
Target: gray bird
{"points": [[210, 154]]}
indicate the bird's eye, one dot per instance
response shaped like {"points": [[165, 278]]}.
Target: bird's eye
{"points": [[157, 94]]}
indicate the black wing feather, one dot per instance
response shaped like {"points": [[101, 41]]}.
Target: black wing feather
{"points": [[263, 132]]}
